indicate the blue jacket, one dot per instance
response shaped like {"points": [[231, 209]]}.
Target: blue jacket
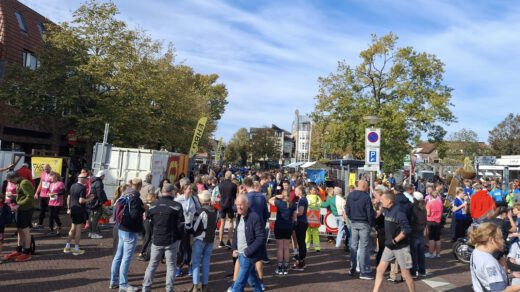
{"points": [[359, 208], [255, 236], [258, 204]]}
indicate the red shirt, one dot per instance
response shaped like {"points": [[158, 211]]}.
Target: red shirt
{"points": [[481, 203]]}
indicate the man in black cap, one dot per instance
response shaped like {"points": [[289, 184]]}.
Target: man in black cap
{"points": [[24, 206], [76, 207]]}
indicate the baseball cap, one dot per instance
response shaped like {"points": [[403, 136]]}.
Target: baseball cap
{"points": [[418, 196], [100, 173]]}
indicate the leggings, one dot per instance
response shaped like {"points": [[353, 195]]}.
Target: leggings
{"points": [[44, 204], [301, 231], [55, 217]]}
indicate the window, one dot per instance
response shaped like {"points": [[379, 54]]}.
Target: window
{"points": [[41, 29], [29, 60], [21, 22]]}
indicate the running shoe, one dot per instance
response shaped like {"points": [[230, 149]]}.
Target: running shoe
{"points": [[11, 256], [67, 250], [23, 257], [366, 276], [78, 252], [221, 244], [228, 244], [96, 236]]}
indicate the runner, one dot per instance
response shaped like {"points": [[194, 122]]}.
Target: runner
{"points": [[301, 228], [285, 220], [76, 207], [56, 194], [24, 211], [42, 194]]}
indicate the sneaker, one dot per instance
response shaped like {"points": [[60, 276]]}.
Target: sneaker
{"points": [[23, 257], [228, 244], [113, 286], [425, 274], [394, 280], [429, 255], [414, 275], [190, 271], [262, 286], [279, 270], [96, 236], [141, 258], [366, 276], [221, 244], [78, 252], [318, 250], [67, 250], [178, 273], [438, 256], [299, 266], [11, 256], [37, 227], [128, 288], [230, 289], [285, 269]]}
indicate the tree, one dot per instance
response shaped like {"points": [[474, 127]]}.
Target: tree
{"points": [[504, 139], [95, 70], [263, 144], [461, 144], [402, 87], [238, 148]]}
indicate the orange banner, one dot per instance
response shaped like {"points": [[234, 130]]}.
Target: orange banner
{"points": [[177, 166]]}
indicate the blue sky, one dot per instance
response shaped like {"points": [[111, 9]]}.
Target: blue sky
{"points": [[271, 53]]}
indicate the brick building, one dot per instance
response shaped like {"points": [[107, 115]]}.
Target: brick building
{"points": [[21, 33]]}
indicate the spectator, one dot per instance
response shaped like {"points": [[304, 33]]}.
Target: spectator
{"points": [[361, 214], [204, 225], [460, 214], [167, 220], [285, 220], [95, 206], [127, 233], [482, 205], [417, 240], [248, 244], [228, 193], [434, 210]]}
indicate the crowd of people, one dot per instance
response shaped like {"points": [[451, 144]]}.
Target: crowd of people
{"points": [[179, 223]]}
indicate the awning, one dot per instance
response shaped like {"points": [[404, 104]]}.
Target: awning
{"points": [[294, 165], [308, 164]]}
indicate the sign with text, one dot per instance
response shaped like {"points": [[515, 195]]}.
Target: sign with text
{"points": [[39, 162], [197, 136]]}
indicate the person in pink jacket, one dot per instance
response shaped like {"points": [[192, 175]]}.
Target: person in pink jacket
{"points": [[56, 194]]}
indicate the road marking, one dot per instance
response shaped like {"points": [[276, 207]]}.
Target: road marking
{"points": [[439, 284]]}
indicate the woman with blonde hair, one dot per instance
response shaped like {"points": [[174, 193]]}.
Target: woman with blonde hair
{"points": [[486, 272], [285, 220]]}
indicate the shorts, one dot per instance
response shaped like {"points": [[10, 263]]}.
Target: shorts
{"points": [[434, 231], [228, 212], [23, 218], [402, 256], [78, 215], [283, 232]]}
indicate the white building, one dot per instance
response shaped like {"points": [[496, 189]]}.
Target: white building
{"points": [[302, 134]]}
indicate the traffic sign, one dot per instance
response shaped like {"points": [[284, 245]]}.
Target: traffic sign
{"points": [[486, 160], [372, 155], [371, 167], [372, 137]]}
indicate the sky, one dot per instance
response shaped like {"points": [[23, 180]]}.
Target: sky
{"points": [[270, 53]]}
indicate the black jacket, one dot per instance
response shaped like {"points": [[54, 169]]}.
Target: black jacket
{"points": [[167, 221], [395, 223], [136, 212], [402, 201], [418, 222], [359, 208], [255, 236], [228, 193], [97, 188]]}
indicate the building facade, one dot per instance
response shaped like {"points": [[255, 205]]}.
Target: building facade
{"points": [[302, 135], [21, 35]]}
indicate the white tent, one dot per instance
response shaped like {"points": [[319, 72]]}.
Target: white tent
{"points": [[294, 165]]}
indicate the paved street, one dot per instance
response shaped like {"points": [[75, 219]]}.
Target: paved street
{"points": [[51, 270]]}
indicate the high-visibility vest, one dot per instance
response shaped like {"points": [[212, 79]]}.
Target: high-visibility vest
{"points": [[313, 218]]}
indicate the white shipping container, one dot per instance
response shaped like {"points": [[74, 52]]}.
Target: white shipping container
{"points": [[6, 159]]}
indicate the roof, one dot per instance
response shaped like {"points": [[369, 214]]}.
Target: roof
{"points": [[425, 148]]}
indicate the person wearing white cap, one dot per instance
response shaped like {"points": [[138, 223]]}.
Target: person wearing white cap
{"points": [[417, 240], [95, 206]]}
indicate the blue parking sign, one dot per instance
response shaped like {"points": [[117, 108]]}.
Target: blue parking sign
{"points": [[372, 156]]}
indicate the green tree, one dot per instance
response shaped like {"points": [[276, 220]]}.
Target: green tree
{"points": [[95, 70], [504, 139], [238, 148], [263, 145], [402, 87], [461, 144]]}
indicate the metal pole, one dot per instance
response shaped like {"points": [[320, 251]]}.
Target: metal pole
{"points": [[105, 139]]}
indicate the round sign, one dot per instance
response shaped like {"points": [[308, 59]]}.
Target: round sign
{"points": [[373, 137], [330, 222]]}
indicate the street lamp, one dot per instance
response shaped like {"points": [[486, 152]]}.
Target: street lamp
{"points": [[371, 120]]}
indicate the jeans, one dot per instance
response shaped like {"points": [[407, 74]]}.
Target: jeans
{"points": [[95, 214], [55, 217], [170, 252], [360, 245], [417, 242], [246, 271], [123, 258], [201, 249], [300, 231], [341, 230]]}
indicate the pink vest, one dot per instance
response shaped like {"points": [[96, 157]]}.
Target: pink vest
{"points": [[56, 187], [46, 183]]}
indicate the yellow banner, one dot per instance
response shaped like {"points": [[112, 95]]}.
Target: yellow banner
{"points": [[352, 179], [39, 162], [219, 149], [197, 136]]}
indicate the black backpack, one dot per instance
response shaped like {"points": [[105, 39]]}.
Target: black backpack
{"points": [[211, 226]]}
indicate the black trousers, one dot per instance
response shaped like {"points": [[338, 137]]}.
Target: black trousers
{"points": [[147, 239], [55, 217], [461, 225], [301, 230], [44, 205]]}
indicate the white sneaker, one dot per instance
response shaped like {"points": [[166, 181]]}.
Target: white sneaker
{"points": [[89, 234], [96, 236], [429, 255]]}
